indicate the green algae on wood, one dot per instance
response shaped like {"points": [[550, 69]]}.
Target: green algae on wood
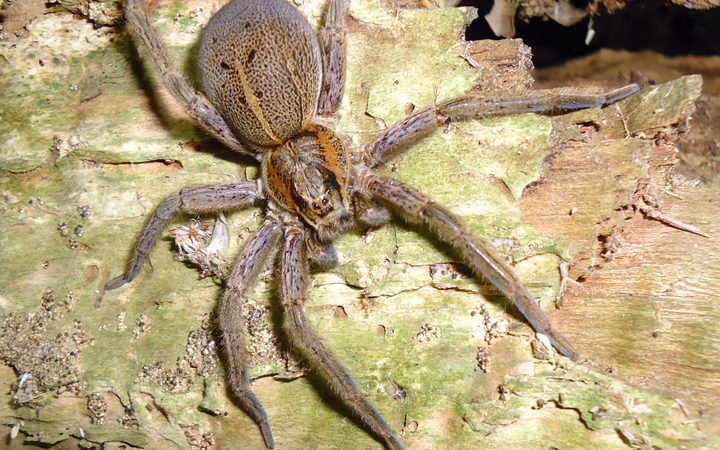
{"points": [[410, 321]]}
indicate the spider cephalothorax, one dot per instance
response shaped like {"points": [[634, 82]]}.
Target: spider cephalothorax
{"points": [[266, 78], [309, 176]]}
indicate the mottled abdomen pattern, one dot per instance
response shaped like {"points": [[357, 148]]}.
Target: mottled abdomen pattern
{"points": [[262, 68]]}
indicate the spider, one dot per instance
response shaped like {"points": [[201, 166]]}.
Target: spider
{"points": [[268, 85]]}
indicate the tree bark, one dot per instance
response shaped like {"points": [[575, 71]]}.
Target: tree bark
{"points": [[92, 143]]}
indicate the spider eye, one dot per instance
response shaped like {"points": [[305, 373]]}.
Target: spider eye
{"points": [[320, 205]]}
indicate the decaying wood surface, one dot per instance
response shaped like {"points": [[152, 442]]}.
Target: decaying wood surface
{"points": [[654, 296], [444, 357]]}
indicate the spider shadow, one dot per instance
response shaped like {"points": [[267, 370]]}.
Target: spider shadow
{"points": [[485, 288], [325, 394], [176, 124]]}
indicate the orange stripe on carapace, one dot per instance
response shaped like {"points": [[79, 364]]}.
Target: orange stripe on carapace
{"points": [[331, 154], [279, 185], [330, 151]]}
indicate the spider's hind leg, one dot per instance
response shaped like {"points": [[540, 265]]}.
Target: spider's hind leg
{"points": [[303, 336], [197, 105], [259, 249], [399, 138]]}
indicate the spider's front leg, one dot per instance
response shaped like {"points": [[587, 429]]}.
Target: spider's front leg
{"points": [[295, 278], [259, 249], [198, 199], [196, 104], [398, 138], [416, 206]]}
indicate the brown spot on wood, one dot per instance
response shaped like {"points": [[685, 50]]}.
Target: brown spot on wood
{"points": [[90, 274], [340, 312]]}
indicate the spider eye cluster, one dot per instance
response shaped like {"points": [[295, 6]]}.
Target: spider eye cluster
{"points": [[323, 205], [309, 176], [260, 65]]}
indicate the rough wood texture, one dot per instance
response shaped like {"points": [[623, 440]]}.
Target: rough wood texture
{"points": [[649, 291], [656, 297], [439, 353], [654, 306]]}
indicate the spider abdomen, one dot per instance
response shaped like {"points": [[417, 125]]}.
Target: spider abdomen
{"points": [[261, 67]]}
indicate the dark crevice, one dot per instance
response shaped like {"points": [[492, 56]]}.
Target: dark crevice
{"points": [[151, 166], [655, 25]]}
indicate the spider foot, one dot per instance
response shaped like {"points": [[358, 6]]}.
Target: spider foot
{"points": [[267, 434], [116, 283], [253, 408], [125, 278]]}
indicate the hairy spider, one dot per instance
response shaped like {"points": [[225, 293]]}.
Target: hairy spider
{"points": [[266, 81]]}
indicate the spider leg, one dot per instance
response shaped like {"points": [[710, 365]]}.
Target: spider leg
{"points": [[259, 249], [294, 289], [368, 211], [332, 42], [323, 255], [196, 104], [416, 206], [198, 199], [396, 139]]}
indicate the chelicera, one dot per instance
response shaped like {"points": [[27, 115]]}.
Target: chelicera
{"points": [[267, 81]]}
